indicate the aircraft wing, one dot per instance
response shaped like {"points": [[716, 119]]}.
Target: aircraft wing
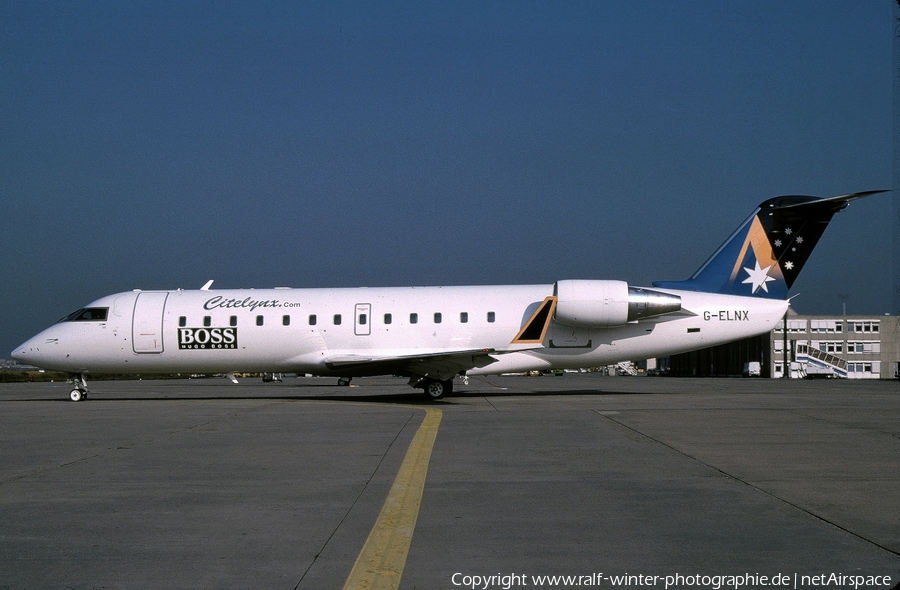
{"points": [[439, 365]]}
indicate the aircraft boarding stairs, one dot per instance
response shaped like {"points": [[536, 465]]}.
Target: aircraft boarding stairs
{"points": [[816, 363], [626, 368]]}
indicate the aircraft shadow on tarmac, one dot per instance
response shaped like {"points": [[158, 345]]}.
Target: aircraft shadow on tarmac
{"points": [[407, 397]]}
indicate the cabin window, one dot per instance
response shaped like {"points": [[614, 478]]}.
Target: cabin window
{"points": [[259, 320], [312, 320], [464, 317], [285, 320], [413, 318], [491, 317], [207, 321], [232, 321], [437, 317], [337, 319], [363, 319], [182, 322], [388, 318]]}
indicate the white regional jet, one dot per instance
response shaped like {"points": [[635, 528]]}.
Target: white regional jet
{"points": [[432, 334]]}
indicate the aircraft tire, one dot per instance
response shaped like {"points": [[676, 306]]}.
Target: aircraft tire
{"points": [[76, 395], [435, 389]]}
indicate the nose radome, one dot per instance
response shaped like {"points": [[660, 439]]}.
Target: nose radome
{"points": [[25, 351], [30, 350]]}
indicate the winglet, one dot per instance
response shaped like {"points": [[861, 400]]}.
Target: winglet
{"points": [[207, 285]]}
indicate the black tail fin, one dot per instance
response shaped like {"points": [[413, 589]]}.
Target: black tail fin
{"points": [[766, 253]]}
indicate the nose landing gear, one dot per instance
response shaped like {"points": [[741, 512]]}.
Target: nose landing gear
{"points": [[80, 392]]}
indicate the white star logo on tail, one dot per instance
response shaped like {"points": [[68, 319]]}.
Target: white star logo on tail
{"points": [[758, 278]]}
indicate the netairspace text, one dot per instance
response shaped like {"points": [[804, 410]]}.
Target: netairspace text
{"points": [[714, 582]]}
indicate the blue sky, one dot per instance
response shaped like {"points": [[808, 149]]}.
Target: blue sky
{"points": [[159, 145]]}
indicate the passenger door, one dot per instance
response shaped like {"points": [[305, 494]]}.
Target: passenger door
{"points": [[146, 326], [362, 325]]}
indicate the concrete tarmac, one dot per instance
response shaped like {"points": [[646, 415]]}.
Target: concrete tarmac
{"points": [[207, 484]]}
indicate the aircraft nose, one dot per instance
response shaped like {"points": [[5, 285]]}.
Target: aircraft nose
{"points": [[30, 351], [24, 353]]}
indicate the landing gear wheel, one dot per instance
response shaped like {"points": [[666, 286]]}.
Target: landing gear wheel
{"points": [[80, 392], [435, 389]]}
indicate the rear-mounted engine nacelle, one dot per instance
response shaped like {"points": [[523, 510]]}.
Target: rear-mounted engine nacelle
{"points": [[603, 304]]}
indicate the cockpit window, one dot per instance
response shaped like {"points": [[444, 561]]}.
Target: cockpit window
{"points": [[88, 314]]}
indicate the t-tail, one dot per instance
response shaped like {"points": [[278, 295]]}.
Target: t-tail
{"points": [[766, 253]]}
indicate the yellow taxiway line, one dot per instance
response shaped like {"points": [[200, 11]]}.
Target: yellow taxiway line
{"points": [[382, 559]]}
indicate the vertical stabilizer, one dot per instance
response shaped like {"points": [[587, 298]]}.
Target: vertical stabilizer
{"points": [[766, 253]]}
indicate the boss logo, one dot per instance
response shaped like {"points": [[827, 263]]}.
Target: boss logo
{"points": [[206, 338]]}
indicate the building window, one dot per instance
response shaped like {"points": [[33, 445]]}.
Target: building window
{"points": [[830, 347], [861, 327], [794, 326], [464, 317], [413, 318], [337, 319], [874, 367], [437, 317], [864, 347], [232, 321], [827, 326], [259, 320], [285, 320], [491, 317], [388, 318]]}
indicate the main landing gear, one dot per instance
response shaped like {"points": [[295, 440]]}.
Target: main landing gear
{"points": [[80, 392], [435, 389]]}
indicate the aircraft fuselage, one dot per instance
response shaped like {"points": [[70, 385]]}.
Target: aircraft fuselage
{"points": [[320, 331]]}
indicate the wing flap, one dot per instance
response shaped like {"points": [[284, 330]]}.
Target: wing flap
{"points": [[437, 365]]}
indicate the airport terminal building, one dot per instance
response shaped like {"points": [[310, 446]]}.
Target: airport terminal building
{"points": [[849, 347], [852, 347]]}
